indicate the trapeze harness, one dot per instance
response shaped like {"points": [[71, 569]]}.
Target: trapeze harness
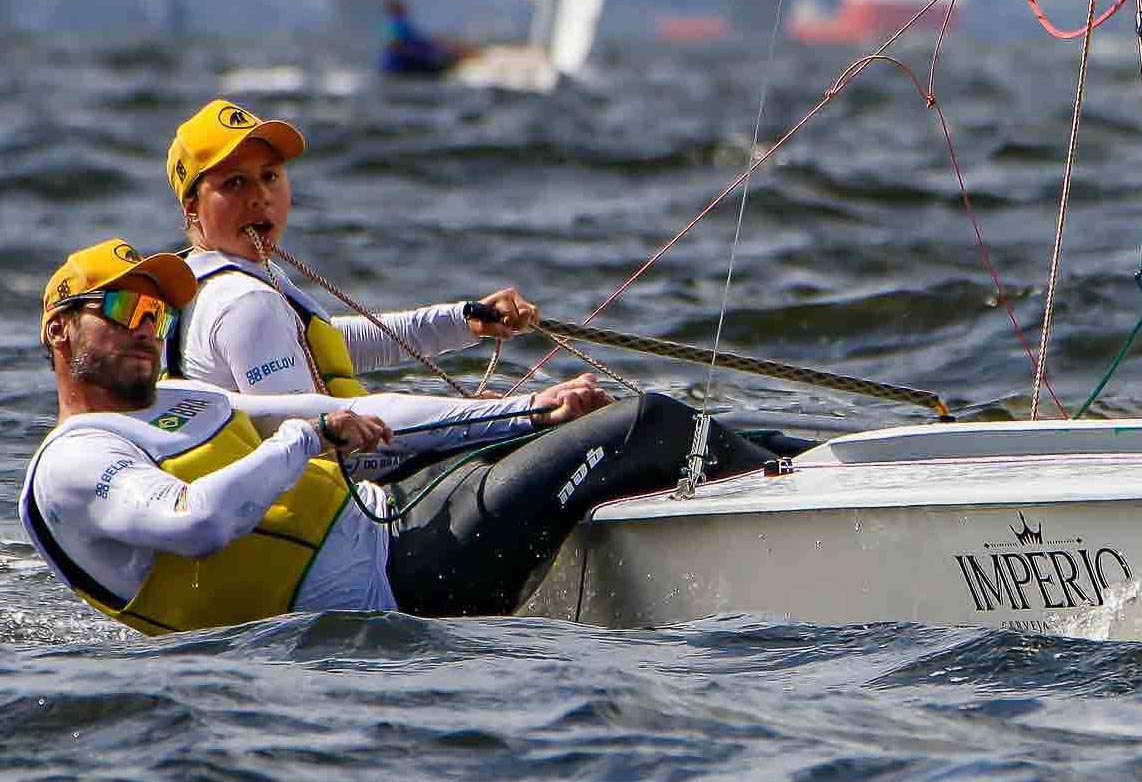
{"points": [[188, 435], [326, 344]]}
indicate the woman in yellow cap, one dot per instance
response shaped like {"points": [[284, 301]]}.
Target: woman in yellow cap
{"points": [[250, 329]]}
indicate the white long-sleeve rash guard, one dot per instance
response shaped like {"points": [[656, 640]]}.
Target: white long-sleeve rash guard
{"points": [[111, 507], [240, 334], [400, 411]]}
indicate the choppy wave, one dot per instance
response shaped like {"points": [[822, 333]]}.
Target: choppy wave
{"points": [[350, 696]]}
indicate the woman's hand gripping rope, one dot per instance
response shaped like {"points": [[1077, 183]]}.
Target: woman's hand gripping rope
{"points": [[501, 315]]}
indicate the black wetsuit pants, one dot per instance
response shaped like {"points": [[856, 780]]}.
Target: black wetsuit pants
{"points": [[470, 546]]}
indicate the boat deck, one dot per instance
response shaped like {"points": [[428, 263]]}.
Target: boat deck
{"points": [[971, 464]]}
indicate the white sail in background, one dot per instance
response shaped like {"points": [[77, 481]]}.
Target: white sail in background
{"points": [[559, 42], [574, 33]]}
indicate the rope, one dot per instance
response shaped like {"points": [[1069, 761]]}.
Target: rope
{"points": [[1069, 34], [1001, 296], [399, 512], [310, 361], [847, 77], [1111, 370], [756, 366], [317, 277], [1072, 151], [1138, 34], [600, 366], [695, 471], [1137, 275], [493, 362]]}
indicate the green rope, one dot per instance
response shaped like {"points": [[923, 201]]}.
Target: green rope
{"points": [[1110, 372], [399, 512]]}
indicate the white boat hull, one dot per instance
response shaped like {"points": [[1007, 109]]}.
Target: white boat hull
{"points": [[563, 32], [1047, 542], [518, 68]]}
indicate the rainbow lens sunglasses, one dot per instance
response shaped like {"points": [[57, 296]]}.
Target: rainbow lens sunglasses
{"points": [[130, 309]]}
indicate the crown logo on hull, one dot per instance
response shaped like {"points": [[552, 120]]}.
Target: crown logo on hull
{"points": [[1027, 536]]}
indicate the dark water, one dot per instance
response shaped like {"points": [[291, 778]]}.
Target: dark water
{"points": [[855, 256]]}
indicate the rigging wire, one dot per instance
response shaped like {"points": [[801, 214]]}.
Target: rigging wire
{"points": [[1129, 341], [855, 70], [846, 78], [1056, 250], [695, 471]]}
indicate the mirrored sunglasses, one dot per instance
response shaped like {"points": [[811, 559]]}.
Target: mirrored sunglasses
{"points": [[130, 309]]}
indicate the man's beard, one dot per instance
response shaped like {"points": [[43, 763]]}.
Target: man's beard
{"points": [[101, 371]]}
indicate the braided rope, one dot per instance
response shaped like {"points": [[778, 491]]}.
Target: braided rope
{"points": [[310, 361], [592, 361], [493, 362], [317, 277], [1064, 199], [756, 366]]}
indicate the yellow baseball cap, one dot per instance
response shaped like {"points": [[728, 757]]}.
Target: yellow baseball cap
{"points": [[208, 138], [94, 268]]}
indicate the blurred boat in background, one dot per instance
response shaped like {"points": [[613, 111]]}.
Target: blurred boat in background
{"points": [[559, 41], [292, 80], [692, 28]]}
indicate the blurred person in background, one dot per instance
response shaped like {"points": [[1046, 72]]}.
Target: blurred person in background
{"points": [[411, 51]]}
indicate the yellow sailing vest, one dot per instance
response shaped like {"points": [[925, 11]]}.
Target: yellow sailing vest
{"points": [[331, 353], [326, 344], [190, 434]]}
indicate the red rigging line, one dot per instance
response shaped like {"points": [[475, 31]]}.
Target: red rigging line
{"points": [[848, 75], [1078, 32]]}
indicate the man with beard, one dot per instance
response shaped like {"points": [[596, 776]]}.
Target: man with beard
{"points": [[162, 506], [102, 500]]}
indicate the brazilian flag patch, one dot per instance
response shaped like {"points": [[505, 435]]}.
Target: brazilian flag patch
{"points": [[169, 422]]}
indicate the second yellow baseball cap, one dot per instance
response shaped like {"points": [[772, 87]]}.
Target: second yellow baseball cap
{"points": [[96, 267], [208, 138]]}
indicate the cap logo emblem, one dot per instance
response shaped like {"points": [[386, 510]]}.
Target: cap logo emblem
{"points": [[126, 252], [234, 117], [63, 290], [180, 169]]}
